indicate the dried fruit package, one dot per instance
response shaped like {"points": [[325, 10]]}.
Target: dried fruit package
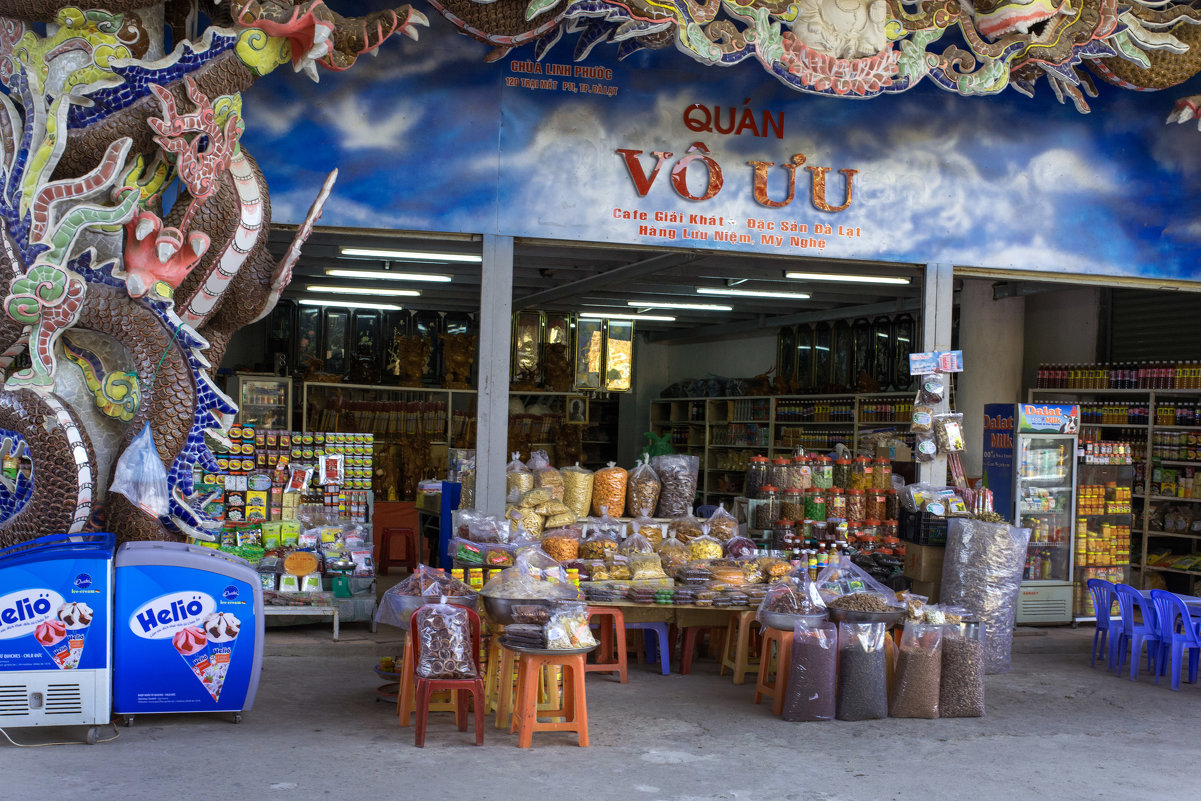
{"points": [[643, 488]]}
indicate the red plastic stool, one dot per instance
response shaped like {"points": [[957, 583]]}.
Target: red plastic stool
{"points": [[412, 552], [782, 642], [688, 644], [610, 634]]}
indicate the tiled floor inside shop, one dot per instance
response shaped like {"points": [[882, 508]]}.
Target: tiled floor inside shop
{"points": [[1055, 729]]}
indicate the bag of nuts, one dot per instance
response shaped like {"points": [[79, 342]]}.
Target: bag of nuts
{"points": [[643, 488], [609, 488], [722, 524], [518, 478], [678, 473], [545, 475]]}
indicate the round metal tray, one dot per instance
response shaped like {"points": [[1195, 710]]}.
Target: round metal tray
{"points": [[784, 621], [889, 619], [411, 603]]}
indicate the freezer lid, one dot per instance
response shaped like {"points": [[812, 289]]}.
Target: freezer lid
{"points": [[181, 554], [59, 546]]}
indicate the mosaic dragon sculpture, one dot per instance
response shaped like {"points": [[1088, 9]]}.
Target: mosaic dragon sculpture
{"points": [[116, 311], [865, 48]]}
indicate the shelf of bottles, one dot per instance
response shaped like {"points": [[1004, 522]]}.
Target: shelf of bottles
{"points": [[1120, 376]]}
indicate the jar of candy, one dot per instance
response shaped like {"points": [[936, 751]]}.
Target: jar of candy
{"points": [[854, 529], [756, 475], [861, 473], [783, 535], [820, 529], [823, 472], [838, 531], [802, 472], [892, 505], [856, 505], [792, 505], [767, 511], [869, 535], [842, 473], [882, 473], [815, 504], [888, 528], [777, 472], [876, 506], [836, 504]]}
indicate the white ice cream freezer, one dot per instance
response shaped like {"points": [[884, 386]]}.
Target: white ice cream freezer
{"points": [[188, 631], [56, 632]]}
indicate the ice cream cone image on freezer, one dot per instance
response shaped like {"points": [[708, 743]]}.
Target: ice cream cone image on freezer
{"points": [[76, 617], [192, 645], [53, 638], [222, 632]]}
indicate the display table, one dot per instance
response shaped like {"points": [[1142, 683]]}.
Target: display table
{"points": [[317, 611], [679, 615]]}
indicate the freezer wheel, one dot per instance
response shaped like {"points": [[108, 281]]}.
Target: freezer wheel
{"points": [[127, 721], [93, 735], [237, 717]]}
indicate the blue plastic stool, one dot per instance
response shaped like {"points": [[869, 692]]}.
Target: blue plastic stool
{"points": [[1175, 638], [663, 646], [1109, 630], [1146, 631]]}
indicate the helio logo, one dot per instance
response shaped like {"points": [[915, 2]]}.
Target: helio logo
{"points": [[23, 611], [162, 617]]}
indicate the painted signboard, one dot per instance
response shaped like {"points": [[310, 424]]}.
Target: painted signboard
{"points": [[657, 149]]}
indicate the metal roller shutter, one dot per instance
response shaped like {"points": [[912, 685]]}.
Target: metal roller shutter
{"points": [[1149, 325]]}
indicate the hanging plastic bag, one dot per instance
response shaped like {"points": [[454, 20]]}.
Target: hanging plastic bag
{"points": [[811, 684], [919, 669], [545, 475], [948, 432], [862, 672], [933, 389], [678, 473], [141, 477], [577, 489], [642, 490], [609, 489], [444, 632]]}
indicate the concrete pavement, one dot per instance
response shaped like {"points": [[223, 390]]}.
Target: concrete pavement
{"points": [[1055, 729]]}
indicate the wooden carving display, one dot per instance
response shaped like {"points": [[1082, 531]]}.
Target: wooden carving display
{"points": [[556, 367], [406, 358], [458, 355]]}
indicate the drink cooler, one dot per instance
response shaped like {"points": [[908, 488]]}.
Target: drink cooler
{"points": [[34, 690], [150, 676]]}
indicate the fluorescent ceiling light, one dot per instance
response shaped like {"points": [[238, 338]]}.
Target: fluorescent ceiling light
{"points": [[848, 279], [388, 275], [360, 290], [622, 316], [348, 304], [664, 305], [752, 293], [409, 255]]}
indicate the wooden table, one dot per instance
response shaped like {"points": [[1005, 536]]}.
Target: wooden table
{"points": [[679, 615]]}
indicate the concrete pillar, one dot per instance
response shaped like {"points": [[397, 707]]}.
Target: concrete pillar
{"points": [[938, 300], [492, 432], [991, 334]]}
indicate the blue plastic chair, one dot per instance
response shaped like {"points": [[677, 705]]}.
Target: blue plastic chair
{"points": [[1105, 638], [663, 647], [1177, 631], [1137, 633]]}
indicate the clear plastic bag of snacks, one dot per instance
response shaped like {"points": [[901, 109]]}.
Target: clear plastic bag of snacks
{"points": [[518, 478], [647, 527], [609, 489], [704, 547], [568, 628], [722, 524], [642, 491], [918, 673], [792, 595], [933, 389], [845, 578], [686, 526], [672, 552], [740, 548], [601, 540], [948, 432], [646, 566], [476, 526], [577, 489], [562, 544], [444, 632], [535, 575], [678, 473], [636, 543], [545, 475]]}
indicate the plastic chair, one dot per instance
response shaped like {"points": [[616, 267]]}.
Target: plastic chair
{"points": [[612, 635], [411, 544], [774, 688], [1105, 638], [1137, 633], [1176, 637], [474, 686], [688, 644], [737, 648], [664, 643]]}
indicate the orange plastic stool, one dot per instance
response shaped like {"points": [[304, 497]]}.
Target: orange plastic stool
{"points": [[574, 711], [412, 549], [774, 689], [736, 654], [610, 634]]}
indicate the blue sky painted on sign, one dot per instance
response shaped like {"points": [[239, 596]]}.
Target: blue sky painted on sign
{"points": [[1001, 181]]}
